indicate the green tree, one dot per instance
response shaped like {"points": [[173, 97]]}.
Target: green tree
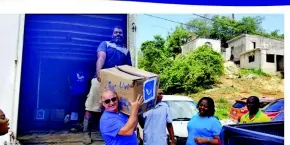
{"points": [[153, 58], [196, 71], [225, 28], [178, 38]]}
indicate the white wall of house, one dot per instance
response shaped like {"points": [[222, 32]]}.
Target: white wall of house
{"points": [[191, 46], [249, 42], [216, 44], [11, 36], [267, 66], [263, 42], [261, 62], [188, 47], [244, 60], [227, 54], [270, 67], [236, 47]]}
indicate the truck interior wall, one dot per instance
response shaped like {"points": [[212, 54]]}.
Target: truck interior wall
{"points": [[55, 47]]}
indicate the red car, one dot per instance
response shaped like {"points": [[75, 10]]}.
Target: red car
{"points": [[274, 108]]}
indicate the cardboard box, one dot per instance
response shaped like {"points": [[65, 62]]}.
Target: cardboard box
{"points": [[128, 82]]}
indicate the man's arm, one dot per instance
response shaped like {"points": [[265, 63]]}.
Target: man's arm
{"points": [[100, 63], [214, 141], [170, 131], [101, 52], [169, 125], [130, 126]]}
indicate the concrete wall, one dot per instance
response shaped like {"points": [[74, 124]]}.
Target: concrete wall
{"points": [[191, 46], [11, 36], [269, 67], [227, 54], [216, 44], [188, 47], [263, 42], [261, 60], [266, 66], [245, 43], [239, 47], [244, 61]]}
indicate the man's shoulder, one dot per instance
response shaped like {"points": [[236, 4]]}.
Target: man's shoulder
{"points": [[108, 116], [244, 116], [163, 104]]}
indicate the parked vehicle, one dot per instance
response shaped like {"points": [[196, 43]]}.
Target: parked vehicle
{"points": [[240, 108], [268, 133], [274, 108], [182, 108]]}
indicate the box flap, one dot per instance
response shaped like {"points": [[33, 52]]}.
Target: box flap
{"points": [[136, 72], [121, 74]]}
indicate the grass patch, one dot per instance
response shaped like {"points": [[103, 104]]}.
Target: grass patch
{"points": [[222, 108], [257, 72]]}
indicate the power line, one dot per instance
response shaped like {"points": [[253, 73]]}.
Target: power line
{"points": [[170, 20], [233, 27]]}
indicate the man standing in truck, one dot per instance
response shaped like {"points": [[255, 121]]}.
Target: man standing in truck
{"points": [[254, 114], [109, 54]]}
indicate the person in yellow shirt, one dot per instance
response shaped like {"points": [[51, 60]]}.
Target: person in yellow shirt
{"points": [[255, 114]]}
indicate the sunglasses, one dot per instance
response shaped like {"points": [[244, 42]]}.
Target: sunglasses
{"points": [[109, 100]]}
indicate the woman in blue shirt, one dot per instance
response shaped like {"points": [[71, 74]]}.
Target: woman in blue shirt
{"points": [[204, 128]]}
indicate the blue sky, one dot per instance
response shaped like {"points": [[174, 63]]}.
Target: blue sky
{"points": [[150, 26]]}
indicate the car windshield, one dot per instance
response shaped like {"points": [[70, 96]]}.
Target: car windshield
{"points": [[182, 110], [239, 105], [279, 117], [276, 106]]}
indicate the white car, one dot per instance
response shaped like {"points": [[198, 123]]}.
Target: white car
{"points": [[182, 109]]}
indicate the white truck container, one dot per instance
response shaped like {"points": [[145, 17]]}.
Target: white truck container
{"points": [[38, 51]]}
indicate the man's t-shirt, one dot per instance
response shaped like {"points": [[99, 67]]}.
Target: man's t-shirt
{"points": [[116, 55], [110, 125], [259, 117]]}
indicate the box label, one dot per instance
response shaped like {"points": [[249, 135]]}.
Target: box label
{"points": [[149, 89]]}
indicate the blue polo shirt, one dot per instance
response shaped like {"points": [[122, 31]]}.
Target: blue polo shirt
{"points": [[205, 127], [116, 55], [110, 125]]}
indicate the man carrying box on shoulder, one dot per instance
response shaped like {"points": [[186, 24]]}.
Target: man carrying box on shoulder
{"points": [[116, 127], [110, 54]]}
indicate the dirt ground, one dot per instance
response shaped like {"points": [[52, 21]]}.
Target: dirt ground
{"points": [[236, 88]]}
